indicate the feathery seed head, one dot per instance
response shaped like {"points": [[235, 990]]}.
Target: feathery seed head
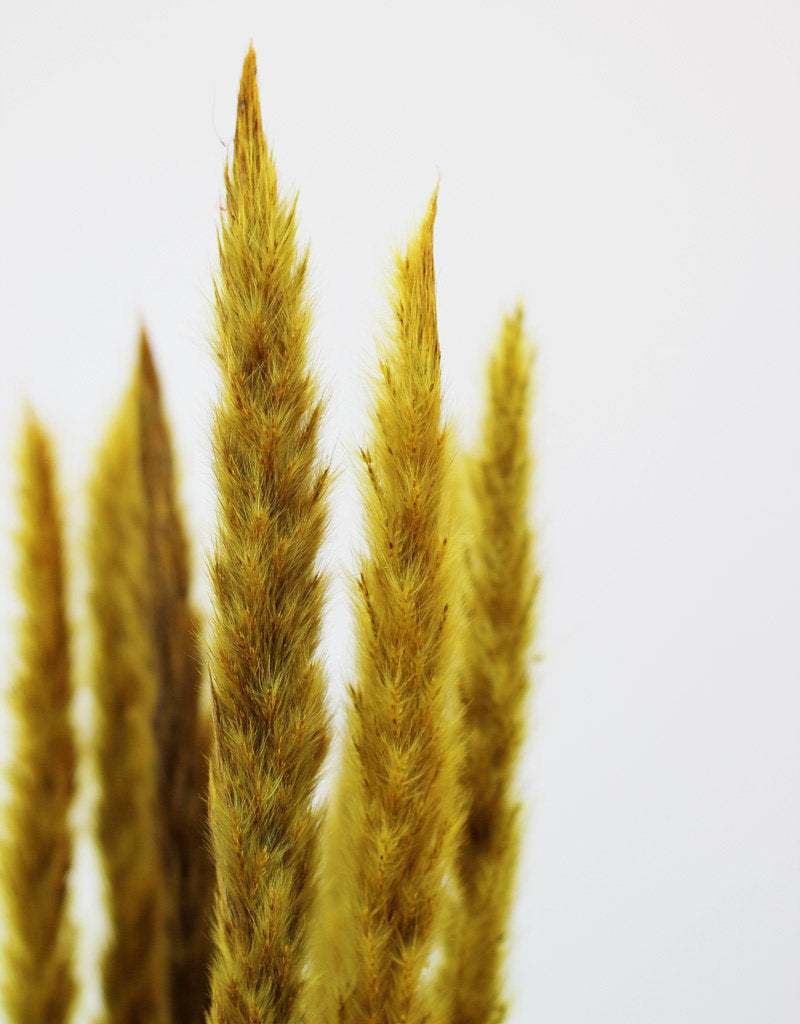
{"points": [[270, 722], [179, 729], [126, 690], [397, 810], [494, 683], [38, 984]]}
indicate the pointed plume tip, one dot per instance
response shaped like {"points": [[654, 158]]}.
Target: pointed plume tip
{"points": [[147, 366], [248, 111], [426, 228]]}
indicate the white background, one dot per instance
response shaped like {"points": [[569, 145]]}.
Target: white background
{"points": [[629, 170]]}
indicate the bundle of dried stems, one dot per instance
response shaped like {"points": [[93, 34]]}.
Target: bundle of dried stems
{"points": [[227, 897]]}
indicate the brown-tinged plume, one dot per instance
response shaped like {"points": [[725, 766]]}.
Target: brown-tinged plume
{"points": [[181, 740], [125, 682]]}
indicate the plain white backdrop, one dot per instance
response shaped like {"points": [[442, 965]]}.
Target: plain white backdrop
{"points": [[630, 171]]}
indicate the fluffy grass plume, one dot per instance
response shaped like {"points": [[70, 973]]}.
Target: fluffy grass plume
{"points": [[38, 983], [399, 794], [271, 725], [133, 966], [495, 681], [180, 737]]}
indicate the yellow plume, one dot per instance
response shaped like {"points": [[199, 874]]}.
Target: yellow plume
{"points": [[495, 681], [271, 725], [125, 685], [38, 985], [399, 794]]}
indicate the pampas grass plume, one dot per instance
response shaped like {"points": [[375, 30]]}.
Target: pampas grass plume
{"points": [[181, 739], [399, 790], [495, 682], [38, 985], [125, 683], [271, 723]]}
